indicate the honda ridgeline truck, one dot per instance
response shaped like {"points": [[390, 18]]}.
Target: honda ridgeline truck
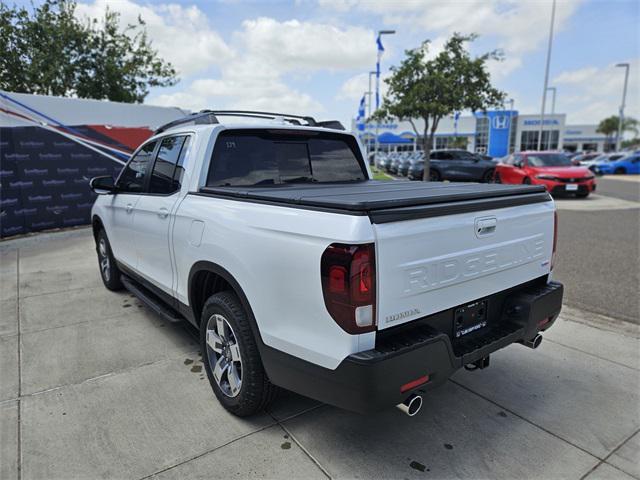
{"points": [[301, 272]]}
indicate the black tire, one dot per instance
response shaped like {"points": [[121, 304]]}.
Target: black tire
{"points": [[526, 181], [256, 392], [497, 178], [488, 176], [620, 171], [109, 271], [434, 175]]}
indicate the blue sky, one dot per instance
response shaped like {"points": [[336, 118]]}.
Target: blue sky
{"points": [[312, 56]]}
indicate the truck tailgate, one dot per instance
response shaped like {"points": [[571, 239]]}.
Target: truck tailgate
{"points": [[427, 264]]}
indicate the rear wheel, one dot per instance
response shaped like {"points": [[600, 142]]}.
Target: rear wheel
{"points": [[434, 175], [109, 271], [526, 181], [231, 357], [488, 176], [497, 178], [620, 171]]}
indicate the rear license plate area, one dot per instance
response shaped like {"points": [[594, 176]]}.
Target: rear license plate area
{"points": [[469, 318]]}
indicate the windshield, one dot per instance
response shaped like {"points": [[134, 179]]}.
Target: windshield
{"points": [[273, 157], [549, 160]]}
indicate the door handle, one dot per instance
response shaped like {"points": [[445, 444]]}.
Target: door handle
{"points": [[129, 207], [163, 212]]}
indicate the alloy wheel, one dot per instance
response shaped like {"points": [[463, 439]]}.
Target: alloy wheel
{"points": [[223, 355], [105, 264]]}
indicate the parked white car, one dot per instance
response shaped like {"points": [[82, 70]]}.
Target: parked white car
{"points": [[302, 273]]}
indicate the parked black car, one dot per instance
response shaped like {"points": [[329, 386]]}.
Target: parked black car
{"points": [[457, 165]]}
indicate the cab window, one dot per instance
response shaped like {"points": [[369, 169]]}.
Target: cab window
{"points": [[133, 177], [163, 177]]}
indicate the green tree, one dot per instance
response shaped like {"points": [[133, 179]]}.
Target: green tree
{"points": [[429, 90], [49, 51], [609, 127]]}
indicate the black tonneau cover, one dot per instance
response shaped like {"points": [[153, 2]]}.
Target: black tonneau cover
{"points": [[388, 201]]}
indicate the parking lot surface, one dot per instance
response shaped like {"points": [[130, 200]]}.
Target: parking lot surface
{"points": [[599, 248], [93, 385]]}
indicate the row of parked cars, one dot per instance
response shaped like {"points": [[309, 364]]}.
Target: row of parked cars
{"points": [[458, 165], [618, 163]]}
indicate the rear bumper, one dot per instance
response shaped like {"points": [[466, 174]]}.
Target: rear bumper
{"points": [[370, 381]]}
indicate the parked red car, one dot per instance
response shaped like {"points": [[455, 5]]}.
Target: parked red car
{"points": [[551, 169]]}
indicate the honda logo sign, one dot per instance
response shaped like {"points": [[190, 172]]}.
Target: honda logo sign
{"points": [[500, 122]]}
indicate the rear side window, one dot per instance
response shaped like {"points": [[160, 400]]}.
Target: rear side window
{"points": [[259, 157], [163, 178]]}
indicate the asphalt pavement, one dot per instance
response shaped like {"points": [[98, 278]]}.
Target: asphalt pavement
{"points": [[599, 250], [626, 187]]}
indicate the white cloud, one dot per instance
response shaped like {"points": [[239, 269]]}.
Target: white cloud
{"points": [[576, 76], [354, 87], [251, 63], [294, 45], [519, 27], [181, 35], [593, 93]]}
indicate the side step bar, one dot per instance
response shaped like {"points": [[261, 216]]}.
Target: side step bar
{"points": [[150, 300]]}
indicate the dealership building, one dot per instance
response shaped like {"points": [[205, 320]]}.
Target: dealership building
{"points": [[494, 133]]}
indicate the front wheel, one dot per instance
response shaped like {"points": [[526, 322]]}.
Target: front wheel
{"points": [[620, 171], [434, 175], [231, 357], [526, 181], [109, 271]]}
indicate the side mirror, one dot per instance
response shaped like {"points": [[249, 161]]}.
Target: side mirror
{"points": [[103, 185]]}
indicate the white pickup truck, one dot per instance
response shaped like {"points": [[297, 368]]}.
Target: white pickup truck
{"points": [[303, 273]]}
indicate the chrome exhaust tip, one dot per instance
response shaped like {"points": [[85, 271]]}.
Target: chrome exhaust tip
{"points": [[411, 406], [533, 343]]}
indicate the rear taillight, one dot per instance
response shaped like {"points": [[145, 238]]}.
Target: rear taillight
{"points": [[349, 285], [555, 238]]}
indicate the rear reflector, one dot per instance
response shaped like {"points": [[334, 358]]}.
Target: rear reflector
{"points": [[414, 383], [543, 322]]}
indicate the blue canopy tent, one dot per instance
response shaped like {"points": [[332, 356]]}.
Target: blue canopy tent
{"points": [[388, 138]]}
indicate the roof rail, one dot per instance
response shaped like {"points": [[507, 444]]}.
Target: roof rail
{"points": [[256, 114], [210, 117], [203, 117]]}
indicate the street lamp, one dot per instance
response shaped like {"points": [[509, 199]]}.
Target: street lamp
{"points": [[380, 50], [624, 98], [369, 93], [553, 111], [546, 74], [511, 102]]}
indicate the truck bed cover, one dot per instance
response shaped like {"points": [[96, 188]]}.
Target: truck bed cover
{"points": [[388, 201]]}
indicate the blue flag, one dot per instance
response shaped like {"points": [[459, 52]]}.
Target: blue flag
{"points": [[361, 115], [380, 51]]}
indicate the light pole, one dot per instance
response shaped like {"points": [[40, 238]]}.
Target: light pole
{"points": [[624, 99], [553, 99], [511, 102], [380, 50], [366, 122], [553, 111], [546, 74]]}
